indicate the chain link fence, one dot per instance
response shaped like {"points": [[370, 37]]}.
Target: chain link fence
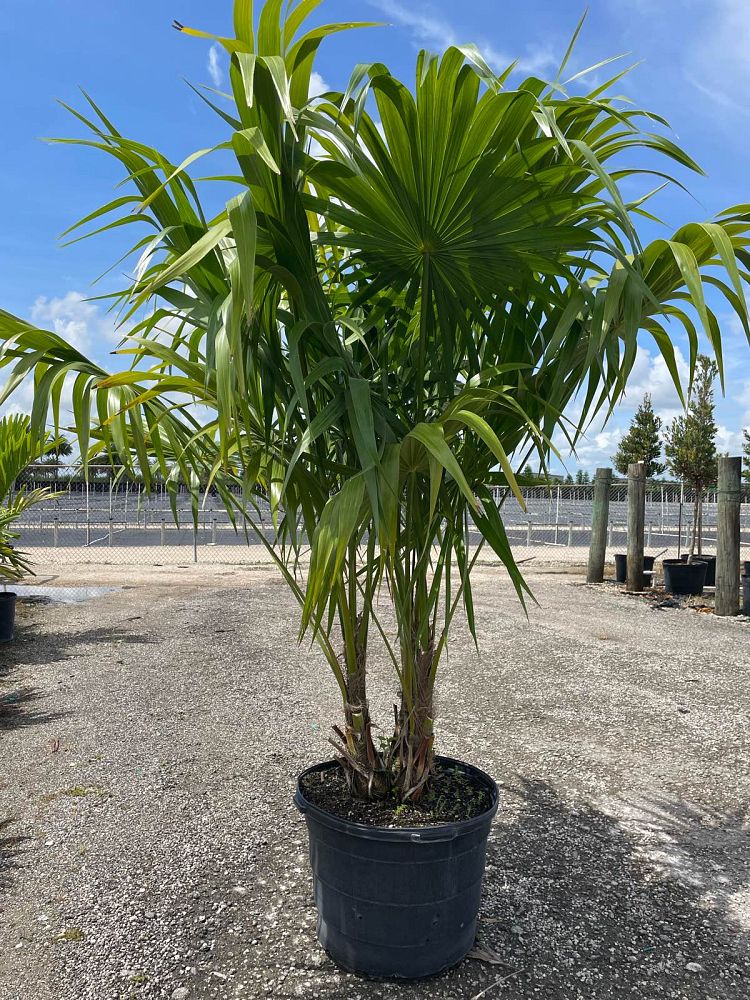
{"points": [[106, 520]]}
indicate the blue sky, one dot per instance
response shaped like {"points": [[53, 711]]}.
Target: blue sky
{"points": [[695, 68]]}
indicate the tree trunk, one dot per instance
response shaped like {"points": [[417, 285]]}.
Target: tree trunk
{"points": [[694, 533]]}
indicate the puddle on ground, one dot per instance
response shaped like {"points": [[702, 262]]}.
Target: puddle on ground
{"points": [[63, 595]]}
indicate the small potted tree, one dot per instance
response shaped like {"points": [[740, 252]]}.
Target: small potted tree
{"points": [[690, 447], [410, 285]]}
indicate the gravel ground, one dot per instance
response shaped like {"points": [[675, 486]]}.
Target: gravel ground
{"points": [[149, 848]]}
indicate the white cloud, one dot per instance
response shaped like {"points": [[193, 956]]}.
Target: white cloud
{"points": [[651, 375], [717, 55], [710, 40], [215, 69], [82, 324], [21, 401], [78, 321], [432, 30], [317, 84], [728, 440]]}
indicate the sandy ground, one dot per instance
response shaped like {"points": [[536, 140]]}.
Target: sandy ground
{"points": [[150, 739]]}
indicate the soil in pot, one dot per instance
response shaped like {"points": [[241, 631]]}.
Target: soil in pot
{"points": [[7, 615], [452, 795], [684, 578], [621, 567], [398, 901]]}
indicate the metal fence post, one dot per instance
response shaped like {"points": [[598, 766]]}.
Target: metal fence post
{"points": [[56, 532], [88, 514], [728, 536], [662, 510], [162, 529], [610, 534], [528, 534], [570, 534], [213, 531], [650, 531], [195, 542], [110, 532]]}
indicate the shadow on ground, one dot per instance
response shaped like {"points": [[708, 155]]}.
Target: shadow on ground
{"points": [[18, 709], [634, 901], [578, 903], [10, 842], [21, 704]]}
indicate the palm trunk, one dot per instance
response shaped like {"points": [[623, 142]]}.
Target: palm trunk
{"points": [[414, 735], [364, 765]]}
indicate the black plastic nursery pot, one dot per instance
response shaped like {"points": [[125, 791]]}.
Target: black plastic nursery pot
{"points": [[746, 594], [710, 562], [684, 578], [7, 615], [397, 902], [621, 567], [746, 569]]}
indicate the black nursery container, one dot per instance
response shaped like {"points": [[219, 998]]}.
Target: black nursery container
{"points": [[397, 902], [746, 595], [710, 562], [621, 567], [684, 578], [7, 615]]}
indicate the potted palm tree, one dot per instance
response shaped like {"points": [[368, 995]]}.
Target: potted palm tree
{"points": [[18, 448], [390, 315]]}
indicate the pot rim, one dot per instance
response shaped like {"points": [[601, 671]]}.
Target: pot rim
{"points": [[7, 593], [414, 834], [679, 562]]}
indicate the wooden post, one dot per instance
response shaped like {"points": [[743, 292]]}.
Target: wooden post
{"points": [[636, 524], [600, 516], [728, 536]]}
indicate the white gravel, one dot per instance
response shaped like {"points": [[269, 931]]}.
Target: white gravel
{"points": [[149, 848]]}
